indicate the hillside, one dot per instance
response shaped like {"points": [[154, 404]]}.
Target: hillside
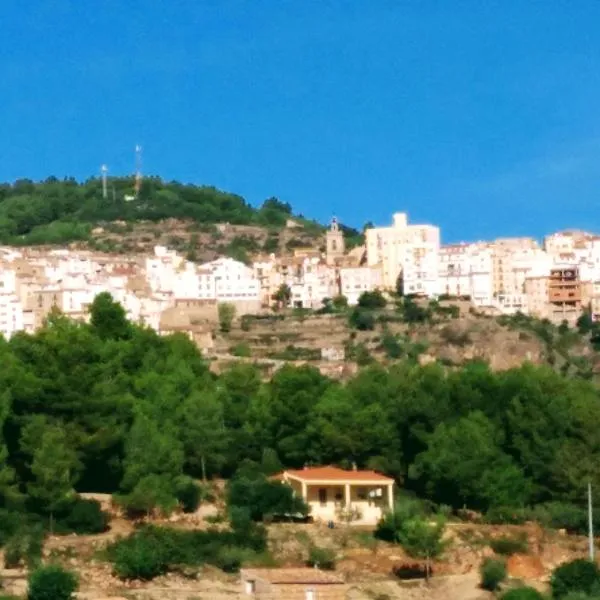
{"points": [[449, 332], [61, 212]]}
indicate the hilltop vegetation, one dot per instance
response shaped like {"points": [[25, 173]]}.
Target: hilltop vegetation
{"points": [[57, 212]]}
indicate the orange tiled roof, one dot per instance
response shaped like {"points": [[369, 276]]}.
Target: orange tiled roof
{"points": [[293, 576], [335, 474]]}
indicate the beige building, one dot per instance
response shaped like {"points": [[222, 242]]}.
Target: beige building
{"points": [[536, 292], [409, 251], [292, 584], [332, 493]]}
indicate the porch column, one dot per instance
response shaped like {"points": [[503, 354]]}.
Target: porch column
{"points": [[390, 490], [347, 496], [304, 491]]}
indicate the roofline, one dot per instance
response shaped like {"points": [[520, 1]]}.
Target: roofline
{"points": [[383, 480]]}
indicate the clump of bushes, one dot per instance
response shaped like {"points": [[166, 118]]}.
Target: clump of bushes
{"points": [[242, 350], [493, 573], [52, 582], [292, 352], [83, 516], [252, 494], [152, 551], [523, 593], [508, 545], [578, 576], [455, 336], [24, 548], [321, 558]]}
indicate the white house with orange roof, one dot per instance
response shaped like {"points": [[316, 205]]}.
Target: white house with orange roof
{"points": [[330, 492]]}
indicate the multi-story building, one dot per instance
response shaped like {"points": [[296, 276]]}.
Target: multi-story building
{"points": [[467, 270], [565, 294], [408, 255], [356, 280]]}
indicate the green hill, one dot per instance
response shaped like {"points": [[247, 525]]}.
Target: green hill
{"points": [[58, 212]]}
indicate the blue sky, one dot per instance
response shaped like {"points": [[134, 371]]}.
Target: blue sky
{"points": [[482, 117]]}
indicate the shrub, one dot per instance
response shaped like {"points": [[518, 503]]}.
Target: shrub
{"points": [[260, 497], [229, 559], [493, 573], [523, 593], [507, 545], [454, 336], [561, 515], [242, 349], [372, 300], [246, 322], [506, 515], [24, 548], [361, 319], [153, 551], [321, 558], [226, 316], [84, 517], [189, 495], [52, 583], [576, 576], [391, 346]]}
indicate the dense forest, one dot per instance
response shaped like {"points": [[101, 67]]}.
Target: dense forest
{"points": [[56, 212], [113, 407]]}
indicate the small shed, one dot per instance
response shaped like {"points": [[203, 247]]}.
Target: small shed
{"points": [[292, 584]]}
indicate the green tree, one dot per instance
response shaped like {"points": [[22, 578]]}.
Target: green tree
{"points": [[283, 295], [464, 464], [262, 498], [55, 469], [201, 423], [108, 318], [340, 302], [52, 582], [226, 316], [576, 576], [493, 573], [153, 460]]}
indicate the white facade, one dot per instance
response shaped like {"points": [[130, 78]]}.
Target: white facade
{"points": [[229, 280], [467, 270], [356, 280], [11, 315], [410, 251]]}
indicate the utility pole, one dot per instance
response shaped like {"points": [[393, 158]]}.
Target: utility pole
{"points": [[590, 521], [104, 170], [138, 170]]}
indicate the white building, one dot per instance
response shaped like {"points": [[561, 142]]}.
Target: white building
{"points": [[407, 251], [356, 280], [467, 270]]}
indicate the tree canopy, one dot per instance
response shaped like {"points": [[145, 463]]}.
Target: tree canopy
{"points": [[112, 406]]}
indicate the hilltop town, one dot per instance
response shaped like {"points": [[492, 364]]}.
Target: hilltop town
{"points": [[168, 291]]}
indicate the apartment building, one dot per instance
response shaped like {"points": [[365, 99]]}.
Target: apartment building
{"points": [[467, 270], [565, 294], [406, 251], [356, 280]]}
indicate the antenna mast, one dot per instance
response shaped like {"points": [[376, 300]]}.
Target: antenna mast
{"points": [[138, 169], [104, 170]]}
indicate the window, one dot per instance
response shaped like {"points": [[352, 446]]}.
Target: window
{"points": [[362, 493], [250, 588]]}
